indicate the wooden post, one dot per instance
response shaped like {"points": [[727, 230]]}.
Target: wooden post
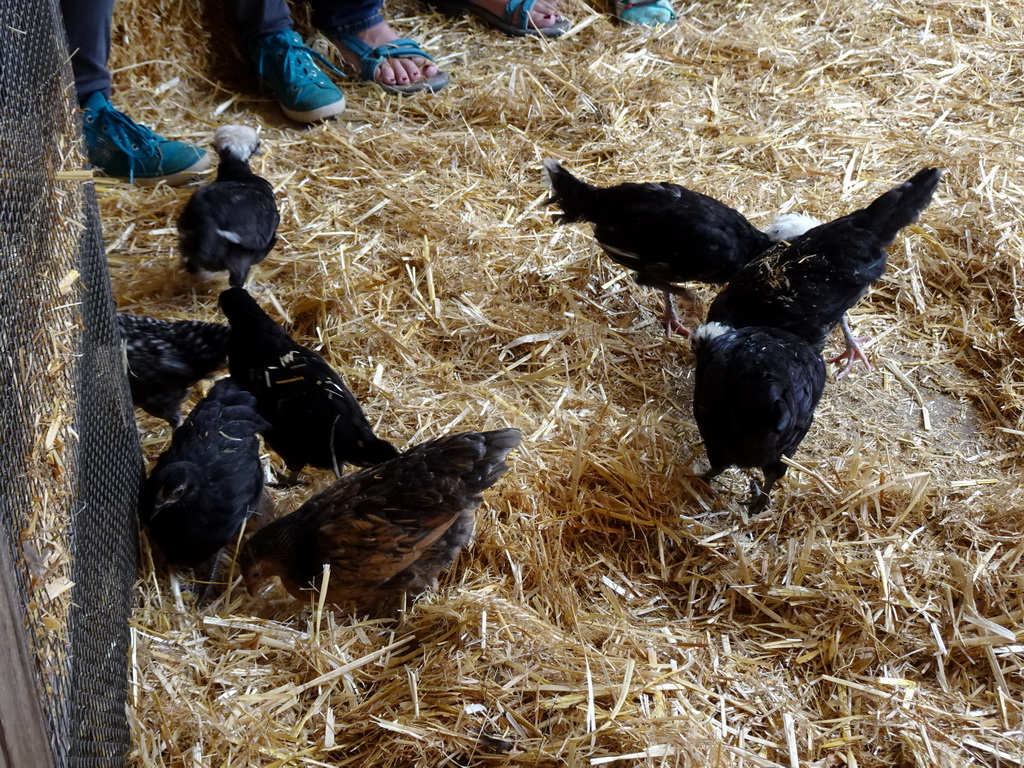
{"points": [[24, 736]]}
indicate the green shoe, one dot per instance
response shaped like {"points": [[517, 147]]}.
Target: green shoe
{"points": [[118, 146], [288, 67]]}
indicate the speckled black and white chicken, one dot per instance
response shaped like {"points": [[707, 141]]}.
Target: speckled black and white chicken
{"points": [[383, 530], [755, 391], [231, 223], [807, 286], [205, 485], [666, 233], [314, 418], [166, 359]]}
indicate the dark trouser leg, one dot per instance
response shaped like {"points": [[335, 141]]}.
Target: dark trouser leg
{"points": [[345, 17], [256, 18], [87, 23]]}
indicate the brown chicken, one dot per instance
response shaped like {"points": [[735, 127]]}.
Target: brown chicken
{"points": [[383, 530]]}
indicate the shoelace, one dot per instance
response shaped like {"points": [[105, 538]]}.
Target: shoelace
{"points": [[293, 60], [135, 140]]}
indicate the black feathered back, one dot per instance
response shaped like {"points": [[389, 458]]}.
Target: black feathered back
{"points": [[229, 224], [166, 359], [755, 392], [209, 480], [314, 417], [805, 287], [665, 232]]}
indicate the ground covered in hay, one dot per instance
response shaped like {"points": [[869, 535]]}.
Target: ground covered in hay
{"points": [[612, 611]]}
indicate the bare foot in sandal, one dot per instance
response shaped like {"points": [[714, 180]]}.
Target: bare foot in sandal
{"points": [[541, 20], [543, 14], [398, 70]]}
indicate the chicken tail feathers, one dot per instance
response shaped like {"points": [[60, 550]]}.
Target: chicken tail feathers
{"points": [[230, 410], [901, 205], [473, 461], [491, 465], [246, 316], [573, 196]]}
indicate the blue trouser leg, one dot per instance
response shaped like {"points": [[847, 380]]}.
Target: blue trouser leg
{"points": [[87, 23], [345, 17], [256, 18]]}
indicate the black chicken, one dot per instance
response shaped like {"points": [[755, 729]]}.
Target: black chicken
{"points": [[209, 481], [384, 530], [231, 223], [166, 359], [754, 396], [806, 287], [666, 233], [314, 418]]}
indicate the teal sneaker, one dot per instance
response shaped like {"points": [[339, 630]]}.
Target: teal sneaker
{"points": [[288, 67], [647, 13], [118, 146]]}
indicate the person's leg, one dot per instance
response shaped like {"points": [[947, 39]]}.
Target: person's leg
{"points": [[284, 62], [538, 18], [347, 16], [367, 42], [87, 23], [114, 143], [255, 18]]}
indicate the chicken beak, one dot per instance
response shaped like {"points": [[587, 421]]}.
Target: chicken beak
{"points": [[257, 581], [252, 584]]}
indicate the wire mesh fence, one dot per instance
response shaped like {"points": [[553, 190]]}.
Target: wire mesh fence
{"points": [[70, 463]]}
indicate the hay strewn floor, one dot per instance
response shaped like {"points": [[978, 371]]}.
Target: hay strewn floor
{"points": [[611, 612]]}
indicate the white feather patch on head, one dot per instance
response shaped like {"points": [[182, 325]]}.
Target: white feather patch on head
{"points": [[707, 332], [238, 140], [789, 226], [551, 167]]}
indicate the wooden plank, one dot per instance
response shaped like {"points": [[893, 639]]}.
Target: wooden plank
{"points": [[24, 736]]}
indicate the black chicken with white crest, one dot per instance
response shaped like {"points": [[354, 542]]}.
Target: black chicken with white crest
{"points": [[667, 234], [231, 223], [166, 359], [755, 391], [209, 481], [807, 286], [314, 418]]}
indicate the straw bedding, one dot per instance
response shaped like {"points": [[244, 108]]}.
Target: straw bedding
{"points": [[612, 611], [39, 433]]}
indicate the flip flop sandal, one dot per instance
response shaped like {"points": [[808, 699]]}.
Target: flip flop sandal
{"points": [[371, 58], [519, 28], [648, 13]]}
